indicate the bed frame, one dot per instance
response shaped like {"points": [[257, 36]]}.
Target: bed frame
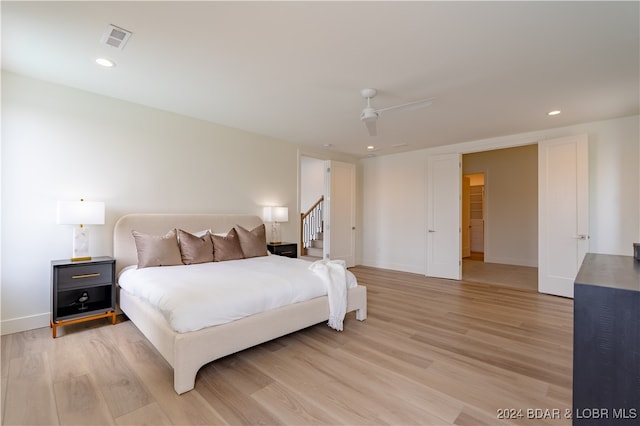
{"points": [[188, 352]]}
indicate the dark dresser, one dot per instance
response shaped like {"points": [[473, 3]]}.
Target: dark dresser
{"points": [[606, 341]]}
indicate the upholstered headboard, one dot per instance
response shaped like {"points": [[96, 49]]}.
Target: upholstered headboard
{"points": [[124, 246]]}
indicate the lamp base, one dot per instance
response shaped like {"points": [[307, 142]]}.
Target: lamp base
{"points": [[80, 244], [275, 233]]}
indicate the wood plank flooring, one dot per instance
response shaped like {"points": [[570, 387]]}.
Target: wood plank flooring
{"points": [[432, 352], [523, 277]]}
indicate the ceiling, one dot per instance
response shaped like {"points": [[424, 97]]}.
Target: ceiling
{"points": [[294, 70]]}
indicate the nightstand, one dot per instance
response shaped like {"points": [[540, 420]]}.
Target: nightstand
{"points": [[82, 291], [283, 249]]}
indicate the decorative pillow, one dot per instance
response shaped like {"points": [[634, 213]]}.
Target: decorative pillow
{"points": [[201, 233], [195, 249], [254, 242], [157, 250], [226, 248]]}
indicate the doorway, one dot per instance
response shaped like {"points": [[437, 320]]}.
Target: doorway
{"points": [[328, 193], [312, 182], [473, 216], [563, 228], [502, 216]]}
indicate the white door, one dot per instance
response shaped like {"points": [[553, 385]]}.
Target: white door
{"points": [[340, 212], [444, 216], [563, 212]]}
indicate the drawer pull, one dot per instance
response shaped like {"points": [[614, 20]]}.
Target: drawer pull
{"points": [[287, 252], [75, 277]]}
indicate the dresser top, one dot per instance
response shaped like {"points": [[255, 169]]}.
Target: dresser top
{"points": [[607, 270]]}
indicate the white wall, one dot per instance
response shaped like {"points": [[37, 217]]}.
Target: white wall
{"points": [[311, 181], [393, 216], [62, 144], [511, 199]]}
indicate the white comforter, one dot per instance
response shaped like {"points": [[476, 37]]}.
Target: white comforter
{"points": [[192, 297]]}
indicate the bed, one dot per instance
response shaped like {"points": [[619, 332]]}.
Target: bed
{"points": [[188, 351]]}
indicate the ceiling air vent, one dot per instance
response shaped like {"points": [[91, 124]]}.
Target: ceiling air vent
{"points": [[116, 37]]}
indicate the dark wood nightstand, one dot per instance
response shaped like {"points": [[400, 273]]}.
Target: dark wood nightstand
{"points": [[82, 291], [283, 249]]}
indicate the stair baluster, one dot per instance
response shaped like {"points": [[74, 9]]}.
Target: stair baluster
{"points": [[311, 225]]}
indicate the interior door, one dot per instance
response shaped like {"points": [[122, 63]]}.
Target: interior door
{"points": [[340, 212], [466, 216], [444, 216], [563, 188]]}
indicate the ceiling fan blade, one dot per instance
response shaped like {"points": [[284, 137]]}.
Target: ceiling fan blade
{"points": [[409, 106], [371, 126]]}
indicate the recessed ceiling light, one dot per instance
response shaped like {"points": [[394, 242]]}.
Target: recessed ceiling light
{"points": [[554, 112], [108, 63], [370, 147]]}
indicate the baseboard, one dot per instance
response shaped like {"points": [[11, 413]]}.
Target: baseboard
{"points": [[16, 325]]}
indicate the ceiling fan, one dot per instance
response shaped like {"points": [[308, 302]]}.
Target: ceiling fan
{"points": [[370, 115]]}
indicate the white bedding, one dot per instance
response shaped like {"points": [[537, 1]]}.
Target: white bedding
{"points": [[192, 297]]}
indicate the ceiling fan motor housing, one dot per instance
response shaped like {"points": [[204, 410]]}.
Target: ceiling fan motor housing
{"points": [[368, 114]]}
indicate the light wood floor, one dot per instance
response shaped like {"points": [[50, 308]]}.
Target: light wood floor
{"points": [[522, 277], [432, 352]]}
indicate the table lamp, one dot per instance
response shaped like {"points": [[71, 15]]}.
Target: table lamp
{"points": [[80, 213], [275, 215]]}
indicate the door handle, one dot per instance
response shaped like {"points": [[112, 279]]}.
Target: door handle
{"points": [[581, 237], [431, 230]]}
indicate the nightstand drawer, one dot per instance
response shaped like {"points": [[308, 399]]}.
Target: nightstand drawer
{"points": [[286, 252], [284, 249], [80, 276]]}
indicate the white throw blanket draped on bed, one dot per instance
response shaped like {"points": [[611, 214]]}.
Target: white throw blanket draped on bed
{"points": [[334, 275]]}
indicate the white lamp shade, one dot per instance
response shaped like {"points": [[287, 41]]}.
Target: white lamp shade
{"points": [[80, 213], [276, 214]]}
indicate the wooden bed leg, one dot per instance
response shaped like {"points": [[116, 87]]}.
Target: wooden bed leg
{"points": [[361, 314]]}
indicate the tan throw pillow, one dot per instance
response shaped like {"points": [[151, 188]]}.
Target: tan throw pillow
{"points": [[227, 247], [157, 250], [254, 242], [195, 249]]}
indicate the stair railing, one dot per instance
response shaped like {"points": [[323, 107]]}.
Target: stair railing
{"points": [[311, 225]]}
